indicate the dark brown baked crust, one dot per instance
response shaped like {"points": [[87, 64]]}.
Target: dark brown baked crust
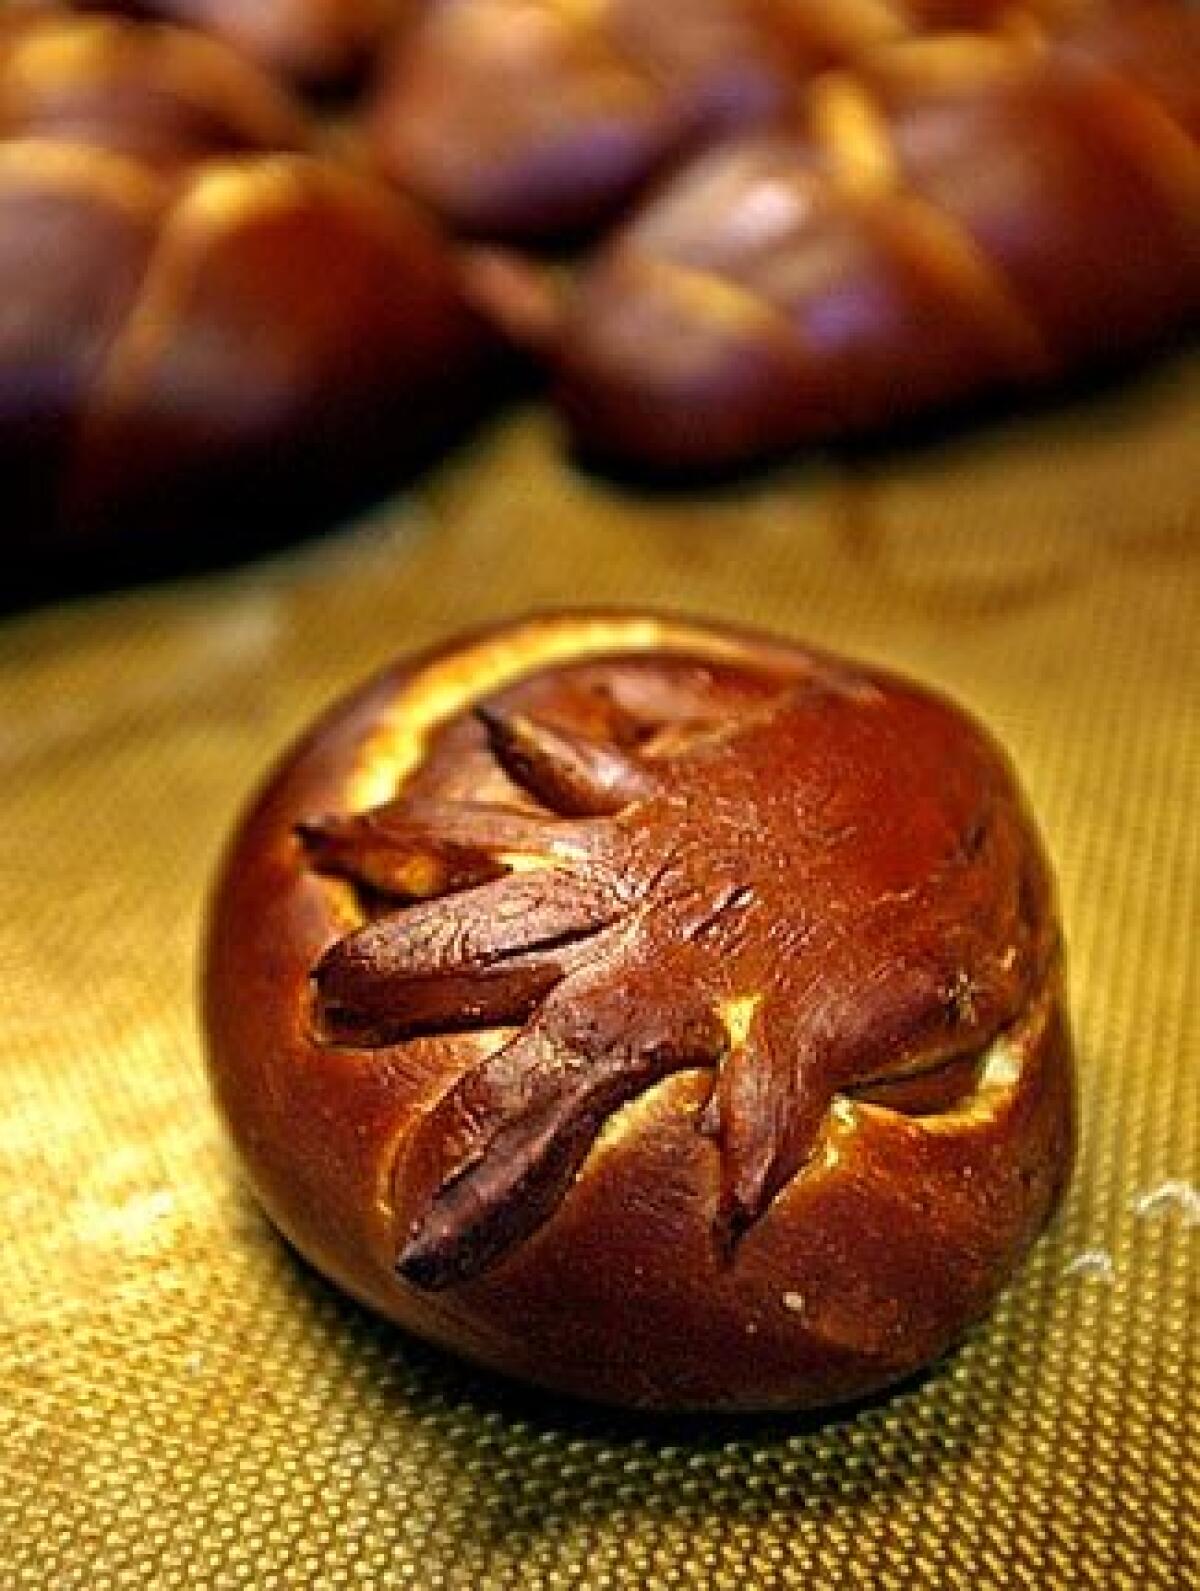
{"points": [[526, 120], [315, 43], [653, 1011], [236, 330], [791, 221], [956, 221]]}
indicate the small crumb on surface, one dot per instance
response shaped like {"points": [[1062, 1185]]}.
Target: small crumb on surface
{"points": [[794, 1302], [1002, 1066], [1172, 1197], [1094, 1262]]}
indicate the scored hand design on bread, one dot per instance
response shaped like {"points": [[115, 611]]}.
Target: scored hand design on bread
{"points": [[732, 903], [232, 326], [648, 1009]]}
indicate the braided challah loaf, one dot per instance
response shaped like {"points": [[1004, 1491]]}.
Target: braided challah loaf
{"points": [[536, 119], [316, 43], [203, 322], [850, 215], [962, 219], [163, 96]]}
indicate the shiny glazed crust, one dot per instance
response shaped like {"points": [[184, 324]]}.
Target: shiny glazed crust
{"points": [[535, 119], [316, 43], [797, 221], [238, 330], [947, 224], [756, 1200]]}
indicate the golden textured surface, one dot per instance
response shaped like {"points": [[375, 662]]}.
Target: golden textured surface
{"points": [[185, 1405]]}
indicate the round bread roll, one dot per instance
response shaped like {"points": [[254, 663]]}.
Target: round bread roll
{"points": [[653, 1011]]}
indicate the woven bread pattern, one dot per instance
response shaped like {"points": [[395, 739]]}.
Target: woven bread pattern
{"points": [[232, 322]]}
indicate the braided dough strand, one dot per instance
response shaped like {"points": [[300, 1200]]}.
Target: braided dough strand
{"points": [[233, 326], [965, 218], [524, 120]]}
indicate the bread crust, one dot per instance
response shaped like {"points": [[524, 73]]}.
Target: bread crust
{"points": [[186, 379], [317, 44], [942, 226], [867, 1262]]}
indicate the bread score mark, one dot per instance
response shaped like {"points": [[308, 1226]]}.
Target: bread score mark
{"points": [[811, 904]]}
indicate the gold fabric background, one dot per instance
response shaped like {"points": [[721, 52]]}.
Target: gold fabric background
{"points": [[183, 1404]]}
